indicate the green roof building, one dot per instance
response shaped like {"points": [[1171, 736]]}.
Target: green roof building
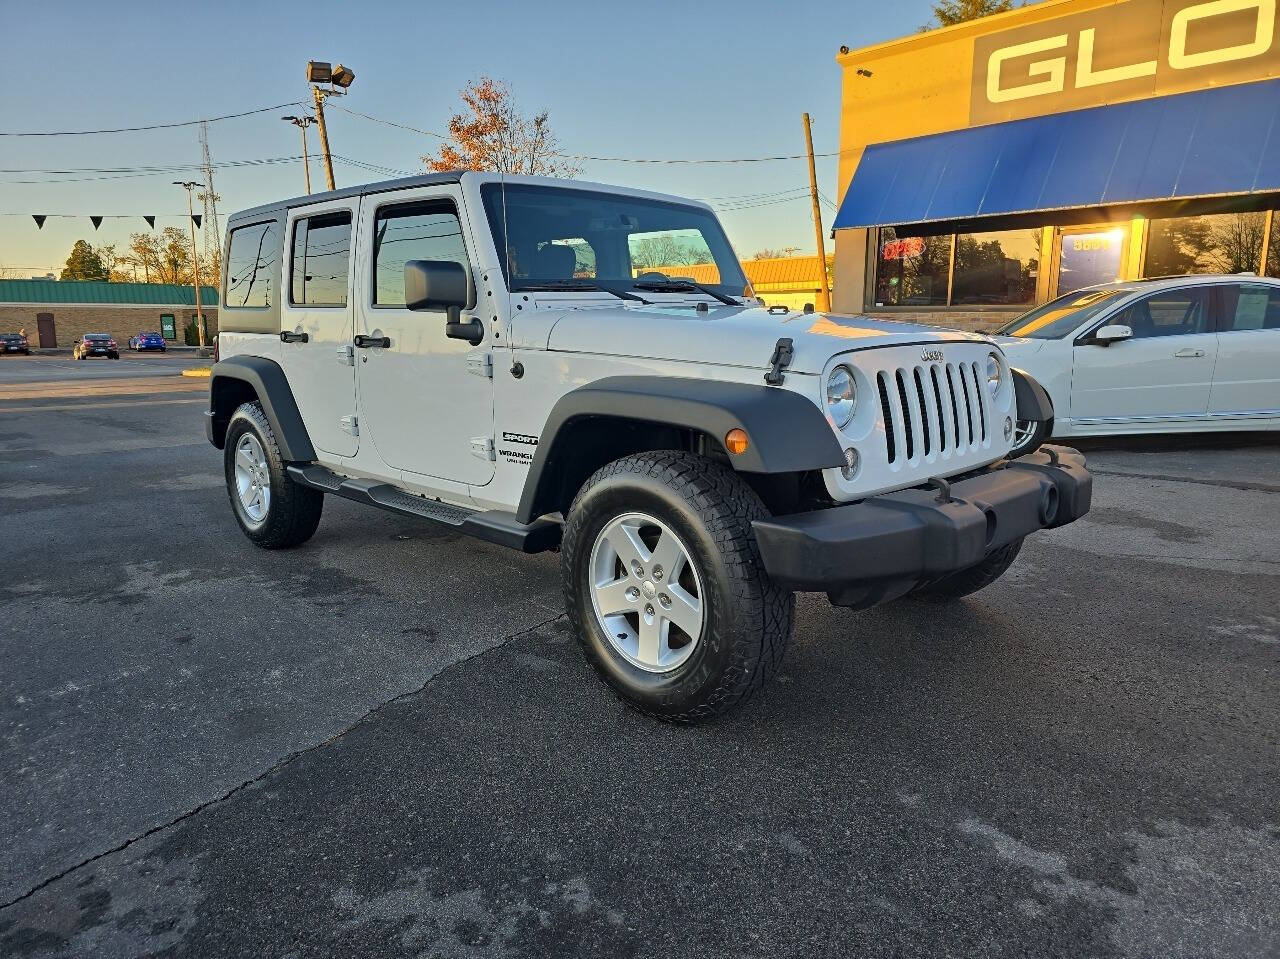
{"points": [[53, 313]]}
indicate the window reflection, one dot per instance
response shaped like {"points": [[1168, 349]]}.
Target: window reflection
{"points": [[997, 269], [1215, 243], [912, 270]]}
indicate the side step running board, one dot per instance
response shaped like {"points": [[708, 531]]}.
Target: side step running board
{"points": [[494, 526]]}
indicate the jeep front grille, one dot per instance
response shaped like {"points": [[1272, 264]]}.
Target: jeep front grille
{"points": [[932, 409]]}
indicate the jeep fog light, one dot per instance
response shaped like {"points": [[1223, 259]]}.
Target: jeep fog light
{"points": [[735, 441], [842, 396], [1008, 427], [851, 463], [994, 376]]}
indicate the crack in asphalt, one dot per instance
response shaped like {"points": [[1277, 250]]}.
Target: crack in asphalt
{"points": [[273, 768], [1228, 484]]}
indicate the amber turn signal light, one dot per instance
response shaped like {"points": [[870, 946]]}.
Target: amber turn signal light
{"points": [[735, 441]]}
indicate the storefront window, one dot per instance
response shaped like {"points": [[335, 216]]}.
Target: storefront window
{"points": [[1216, 243], [996, 269], [912, 270]]}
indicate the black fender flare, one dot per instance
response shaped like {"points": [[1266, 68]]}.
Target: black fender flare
{"points": [[1033, 402], [786, 432], [269, 383]]}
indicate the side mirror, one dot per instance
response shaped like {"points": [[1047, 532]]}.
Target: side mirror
{"points": [[1107, 335], [442, 285]]}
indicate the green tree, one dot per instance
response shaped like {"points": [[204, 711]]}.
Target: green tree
{"points": [[947, 13], [84, 263]]}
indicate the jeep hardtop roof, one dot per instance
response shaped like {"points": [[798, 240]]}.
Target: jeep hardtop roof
{"points": [[451, 176]]}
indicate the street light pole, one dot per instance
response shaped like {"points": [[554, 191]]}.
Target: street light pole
{"points": [[324, 136], [302, 123], [339, 79], [195, 263]]}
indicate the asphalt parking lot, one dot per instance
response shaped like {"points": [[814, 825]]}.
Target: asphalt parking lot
{"points": [[384, 743]]}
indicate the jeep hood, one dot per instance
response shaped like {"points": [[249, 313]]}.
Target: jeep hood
{"points": [[732, 336]]}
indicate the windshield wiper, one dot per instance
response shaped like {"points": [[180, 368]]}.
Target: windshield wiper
{"points": [[556, 286], [684, 286]]}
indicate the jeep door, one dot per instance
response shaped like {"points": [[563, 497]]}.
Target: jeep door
{"points": [[427, 409], [316, 322], [1162, 373], [1246, 381]]}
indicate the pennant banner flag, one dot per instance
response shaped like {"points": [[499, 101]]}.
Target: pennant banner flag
{"points": [[96, 221], [151, 221], [39, 218], [197, 217]]}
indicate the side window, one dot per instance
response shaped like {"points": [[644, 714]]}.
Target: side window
{"points": [[1250, 307], [1170, 313], [413, 231], [321, 256], [251, 259]]}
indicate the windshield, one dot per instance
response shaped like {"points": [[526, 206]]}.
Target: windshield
{"points": [[566, 238], [1059, 317]]}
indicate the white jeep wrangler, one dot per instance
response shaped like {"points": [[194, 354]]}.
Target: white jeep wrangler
{"points": [[545, 364]]}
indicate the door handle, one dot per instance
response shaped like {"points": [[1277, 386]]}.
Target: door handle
{"points": [[365, 342], [287, 337], [1188, 352]]}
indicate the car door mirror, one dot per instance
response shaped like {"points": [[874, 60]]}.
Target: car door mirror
{"points": [[442, 285], [1106, 335], [435, 285]]}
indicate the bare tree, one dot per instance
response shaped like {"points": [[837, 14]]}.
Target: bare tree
{"points": [[492, 134]]}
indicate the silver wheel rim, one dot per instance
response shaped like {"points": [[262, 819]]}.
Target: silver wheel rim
{"points": [[646, 592], [253, 479], [1023, 431]]}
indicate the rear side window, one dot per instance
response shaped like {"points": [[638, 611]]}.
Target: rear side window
{"points": [[414, 231], [1250, 307], [321, 257], [1171, 313], [251, 259]]}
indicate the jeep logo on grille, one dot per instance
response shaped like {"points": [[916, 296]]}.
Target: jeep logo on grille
{"points": [[931, 356]]}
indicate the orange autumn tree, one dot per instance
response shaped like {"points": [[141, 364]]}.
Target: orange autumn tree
{"points": [[492, 134]]}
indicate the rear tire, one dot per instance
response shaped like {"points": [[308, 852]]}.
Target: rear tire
{"points": [[976, 577], [692, 645], [273, 511]]}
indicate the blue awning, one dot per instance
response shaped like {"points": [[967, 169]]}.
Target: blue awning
{"points": [[1207, 143]]}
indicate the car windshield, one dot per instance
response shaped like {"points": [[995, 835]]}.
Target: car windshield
{"points": [[566, 239], [1059, 317]]}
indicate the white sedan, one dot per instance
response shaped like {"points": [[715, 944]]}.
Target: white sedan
{"points": [[1182, 354]]}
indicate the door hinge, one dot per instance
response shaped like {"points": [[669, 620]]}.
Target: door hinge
{"points": [[347, 355], [350, 424], [482, 447], [481, 364]]}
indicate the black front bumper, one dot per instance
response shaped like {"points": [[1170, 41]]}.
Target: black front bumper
{"points": [[879, 548]]}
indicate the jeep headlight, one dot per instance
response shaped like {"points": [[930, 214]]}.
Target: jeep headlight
{"points": [[994, 375], [842, 396]]}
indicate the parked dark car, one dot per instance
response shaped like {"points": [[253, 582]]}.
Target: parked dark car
{"points": [[147, 341], [14, 343], [95, 344]]}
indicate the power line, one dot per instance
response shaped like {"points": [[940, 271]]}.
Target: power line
{"points": [[599, 159], [153, 126]]}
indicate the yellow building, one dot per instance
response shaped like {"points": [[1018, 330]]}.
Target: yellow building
{"points": [[995, 164]]}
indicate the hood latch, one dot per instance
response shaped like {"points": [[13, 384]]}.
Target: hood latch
{"points": [[781, 359]]}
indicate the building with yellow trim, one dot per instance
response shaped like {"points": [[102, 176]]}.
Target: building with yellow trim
{"points": [[995, 164]]}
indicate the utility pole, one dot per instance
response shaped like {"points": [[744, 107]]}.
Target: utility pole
{"points": [[824, 300], [302, 123], [190, 185], [324, 137], [211, 231]]}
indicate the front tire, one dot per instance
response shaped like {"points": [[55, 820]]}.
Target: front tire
{"points": [[665, 588], [1029, 436], [273, 511], [979, 576]]}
